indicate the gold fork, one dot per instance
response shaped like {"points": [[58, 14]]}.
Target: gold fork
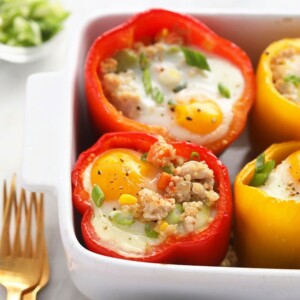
{"points": [[21, 267]]}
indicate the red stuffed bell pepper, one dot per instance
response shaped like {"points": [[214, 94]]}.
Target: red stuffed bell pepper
{"points": [[148, 200], [167, 73]]}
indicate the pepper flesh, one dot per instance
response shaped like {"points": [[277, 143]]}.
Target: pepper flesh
{"points": [[207, 247], [267, 229], [107, 118], [273, 118]]}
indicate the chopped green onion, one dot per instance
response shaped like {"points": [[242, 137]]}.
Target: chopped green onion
{"points": [[195, 59], [97, 195], [157, 96], [123, 219], [126, 58], [155, 93], [174, 216], [144, 62], [262, 171], [195, 156], [29, 23], [147, 81], [293, 79], [149, 231], [169, 169], [171, 103], [223, 90], [144, 156], [260, 161], [203, 216], [180, 87], [173, 50]]}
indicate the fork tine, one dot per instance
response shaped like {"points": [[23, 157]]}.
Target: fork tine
{"points": [[3, 241], [32, 210], [21, 207], [4, 196], [28, 222], [10, 204], [40, 227]]}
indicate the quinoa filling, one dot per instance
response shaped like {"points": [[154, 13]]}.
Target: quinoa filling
{"points": [[285, 67]]}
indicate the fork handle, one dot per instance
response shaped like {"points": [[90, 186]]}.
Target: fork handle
{"points": [[30, 295], [13, 293]]}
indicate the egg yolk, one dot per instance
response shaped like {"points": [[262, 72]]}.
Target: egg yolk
{"points": [[121, 171], [201, 117], [294, 161]]}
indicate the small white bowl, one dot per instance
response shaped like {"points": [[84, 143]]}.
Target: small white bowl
{"points": [[27, 54]]}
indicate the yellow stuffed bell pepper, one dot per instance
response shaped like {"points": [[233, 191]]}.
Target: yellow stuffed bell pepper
{"points": [[267, 228], [276, 111]]}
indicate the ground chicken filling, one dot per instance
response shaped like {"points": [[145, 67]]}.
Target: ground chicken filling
{"points": [[285, 67], [183, 200]]}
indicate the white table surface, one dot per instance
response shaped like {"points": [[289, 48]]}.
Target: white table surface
{"points": [[12, 101]]}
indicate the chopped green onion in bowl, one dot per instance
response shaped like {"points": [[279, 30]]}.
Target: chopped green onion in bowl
{"points": [[29, 23]]}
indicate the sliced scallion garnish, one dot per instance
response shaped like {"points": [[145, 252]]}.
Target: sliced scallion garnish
{"points": [[144, 62], [146, 77], [173, 49], [126, 58], [169, 169], [180, 87], [223, 90], [260, 161], [144, 156], [195, 58], [97, 195], [157, 95], [123, 219], [203, 216], [293, 79], [262, 170], [171, 103], [195, 156], [149, 230], [174, 216]]}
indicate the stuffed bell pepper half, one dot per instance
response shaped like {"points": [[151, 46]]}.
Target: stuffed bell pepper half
{"points": [[148, 200], [166, 73], [276, 111], [267, 209]]}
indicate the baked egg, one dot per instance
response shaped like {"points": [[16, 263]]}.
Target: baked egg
{"points": [[284, 181]]}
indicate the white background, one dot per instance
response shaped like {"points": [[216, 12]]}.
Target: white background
{"points": [[12, 102]]}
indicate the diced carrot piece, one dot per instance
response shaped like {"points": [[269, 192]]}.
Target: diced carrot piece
{"points": [[150, 155], [163, 180]]}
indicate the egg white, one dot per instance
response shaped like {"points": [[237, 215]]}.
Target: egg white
{"points": [[280, 182]]}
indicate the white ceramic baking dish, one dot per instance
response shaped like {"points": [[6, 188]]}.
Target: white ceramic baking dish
{"points": [[57, 129]]}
